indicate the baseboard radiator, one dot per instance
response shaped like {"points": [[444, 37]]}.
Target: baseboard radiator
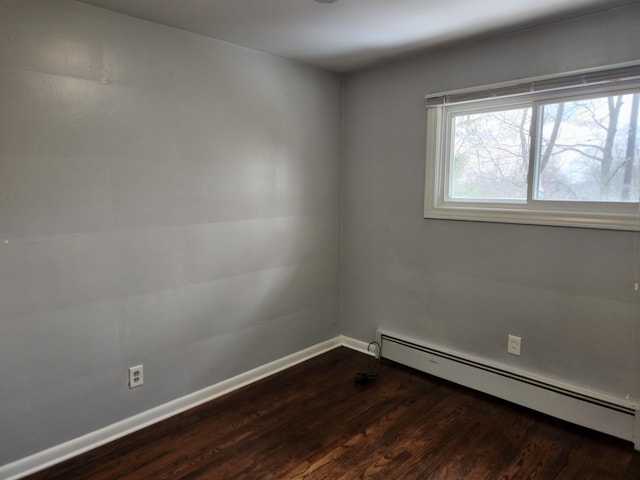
{"points": [[547, 396]]}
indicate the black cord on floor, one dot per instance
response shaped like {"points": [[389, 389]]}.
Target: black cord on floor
{"points": [[372, 375]]}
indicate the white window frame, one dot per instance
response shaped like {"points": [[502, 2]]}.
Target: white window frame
{"points": [[442, 107]]}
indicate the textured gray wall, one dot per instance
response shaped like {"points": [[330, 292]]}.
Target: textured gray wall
{"points": [[467, 285], [165, 199]]}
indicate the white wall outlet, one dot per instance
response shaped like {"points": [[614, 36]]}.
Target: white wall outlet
{"points": [[136, 377], [513, 345]]}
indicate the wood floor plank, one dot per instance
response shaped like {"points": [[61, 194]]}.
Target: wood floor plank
{"points": [[313, 421]]}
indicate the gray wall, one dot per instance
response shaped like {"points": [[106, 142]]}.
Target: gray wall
{"points": [[467, 285], [171, 200], [165, 199]]}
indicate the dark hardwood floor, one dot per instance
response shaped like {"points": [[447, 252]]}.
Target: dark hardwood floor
{"points": [[313, 422]]}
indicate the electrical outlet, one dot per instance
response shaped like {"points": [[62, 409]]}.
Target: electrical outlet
{"points": [[136, 377], [513, 345]]}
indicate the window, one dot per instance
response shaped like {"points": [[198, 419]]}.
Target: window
{"points": [[558, 151]]}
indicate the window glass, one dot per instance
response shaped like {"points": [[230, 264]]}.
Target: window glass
{"points": [[587, 150], [490, 155]]}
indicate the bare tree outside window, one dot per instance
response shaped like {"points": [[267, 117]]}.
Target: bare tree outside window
{"points": [[586, 151], [490, 155], [590, 150]]}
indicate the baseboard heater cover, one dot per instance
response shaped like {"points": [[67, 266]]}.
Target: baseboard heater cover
{"points": [[547, 396]]}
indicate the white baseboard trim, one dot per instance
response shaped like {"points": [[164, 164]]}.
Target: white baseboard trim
{"points": [[59, 453], [562, 400], [354, 344]]}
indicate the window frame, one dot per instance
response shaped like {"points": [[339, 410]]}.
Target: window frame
{"points": [[438, 204]]}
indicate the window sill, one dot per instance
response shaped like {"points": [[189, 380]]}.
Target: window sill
{"points": [[513, 214]]}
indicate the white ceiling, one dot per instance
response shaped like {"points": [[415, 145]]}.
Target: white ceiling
{"points": [[350, 34]]}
